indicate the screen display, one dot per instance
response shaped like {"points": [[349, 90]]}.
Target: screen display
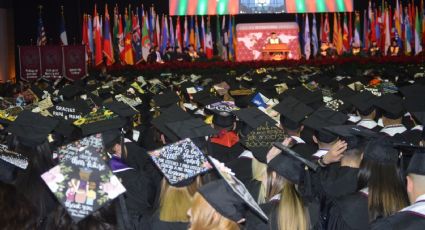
{"points": [[233, 7]]}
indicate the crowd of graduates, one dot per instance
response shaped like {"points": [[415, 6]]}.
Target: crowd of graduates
{"points": [[304, 148]]}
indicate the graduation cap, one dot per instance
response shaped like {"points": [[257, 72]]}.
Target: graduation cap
{"points": [[354, 135], [222, 88], [417, 163], [364, 102], [261, 139], [191, 128], [222, 106], [229, 196], [324, 117], [98, 121], [70, 91], [13, 158], [204, 98], [165, 99], [32, 128], [180, 162], [391, 105], [169, 115], [413, 91], [70, 110], [253, 117], [292, 112], [82, 182], [120, 108], [381, 150], [304, 95]]}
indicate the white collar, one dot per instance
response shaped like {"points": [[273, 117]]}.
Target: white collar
{"points": [[417, 208], [418, 127], [365, 191], [298, 140], [275, 197], [367, 123], [354, 118], [247, 154], [122, 170], [320, 153], [393, 129]]}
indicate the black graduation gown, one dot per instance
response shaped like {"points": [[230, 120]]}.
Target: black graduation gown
{"points": [[305, 150], [339, 181], [349, 213], [242, 167], [225, 154], [400, 220], [157, 224]]}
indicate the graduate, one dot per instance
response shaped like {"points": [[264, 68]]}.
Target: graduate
{"points": [[364, 104]]}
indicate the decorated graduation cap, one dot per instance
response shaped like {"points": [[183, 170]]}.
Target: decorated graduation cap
{"points": [[169, 115], [391, 106], [165, 99], [381, 150], [204, 98], [191, 128], [324, 117], [364, 102], [292, 112], [98, 121], [180, 162], [222, 106], [121, 109], [229, 196], [82, 182], [253, 117], [354, 135], [32, 128], [70, 110], [261, 139], [13, 157]]}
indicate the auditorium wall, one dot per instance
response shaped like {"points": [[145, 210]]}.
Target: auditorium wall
{"points": [[7, 44]]}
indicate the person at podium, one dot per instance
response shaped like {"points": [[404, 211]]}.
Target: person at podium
{"points": [[273, 39]]}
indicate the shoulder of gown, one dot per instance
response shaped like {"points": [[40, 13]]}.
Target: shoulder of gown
{"points": [[400, 220], [349, 213]]}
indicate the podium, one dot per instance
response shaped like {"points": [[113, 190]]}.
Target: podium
{"points": [[275, 52]]}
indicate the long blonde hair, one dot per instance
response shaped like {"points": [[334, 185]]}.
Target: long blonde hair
{"points": [[174, 202], [259, 173], [204, 216], [291, 211]]}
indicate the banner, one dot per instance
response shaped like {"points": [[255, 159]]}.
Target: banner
{"points": [[252, 39], [74, 62], [29, 63], [51, 62]]}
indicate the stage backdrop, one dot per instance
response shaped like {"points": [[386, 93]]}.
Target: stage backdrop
{"points": [[252, 37]]}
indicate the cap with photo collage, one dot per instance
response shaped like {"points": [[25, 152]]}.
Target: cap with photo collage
{"points": [[391, 106], [31, 128], [229, 196], [180, 162], [82, 181], [292, 112], [324, 117], [355, 136], [166, 99], [364, 102], [261, 139], [170, 115]]}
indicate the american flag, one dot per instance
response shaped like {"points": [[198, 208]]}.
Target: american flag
{"points": [[41, 37]]}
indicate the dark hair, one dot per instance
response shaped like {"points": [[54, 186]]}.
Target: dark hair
{"points": [[387, 194], [324, 136]]}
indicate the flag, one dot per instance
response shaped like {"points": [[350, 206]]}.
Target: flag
{"points": [[192, 39], [365, 31], [314, 38], [127, 55], [225, 55], [151, 23], [115, 40], [146, 41], [208, 40], [172, 36], [98, 57], [423, 22], [41, 34], [107, 39], [418, 46], [218, 41], [397, 18], [197, 44], [178, 33], [136, 41], [203, 38], [186, 33], [231, 49], [307, 45], [408, 33], [350, 30], [387, 34], [157, 32], [337, 34], [345, 36], [63, 37], [235, 41], [357, 29], [164, 34], [90, 37], [85, 40], [326, 30], [120, 38]]}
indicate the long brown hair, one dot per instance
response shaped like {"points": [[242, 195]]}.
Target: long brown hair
{"points": [[204, 216], [387, 194], [291, 211], [174, 202]]}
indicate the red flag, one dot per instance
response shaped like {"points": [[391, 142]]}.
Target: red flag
{"points": [[346, 36], [372, 27], [107, 39], [208, 40], [179, 39], [326, 30], [97, 38]]}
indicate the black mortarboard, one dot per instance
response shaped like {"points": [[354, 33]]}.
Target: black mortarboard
{"points": [[417, 163], [292, 111], [222, 106], [70, 110], [354, 135], [413, 91], [391, 105], [99, 121], [83, 182], [363, 101], [253, 117], [324, 117], [70, 91], [381, 150], [32, 128], [223, 119], [166, 99], [229, 196], [204, 98], [261, 139], [171, 114], [191, 128], [304, 95], [121, 109], [180, 162], [13, 158]]}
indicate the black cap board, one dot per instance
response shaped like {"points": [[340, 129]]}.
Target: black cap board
{"points": [[253, 117], [99, 121], [165, 99], [13, 157], [121, 109], [363, 101], [70, 110], [82, 182], [191, 128], [355, 136], [180, 162], [381, 150], [169, 115], [293, 111], [229, 196], [391, 105]]}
